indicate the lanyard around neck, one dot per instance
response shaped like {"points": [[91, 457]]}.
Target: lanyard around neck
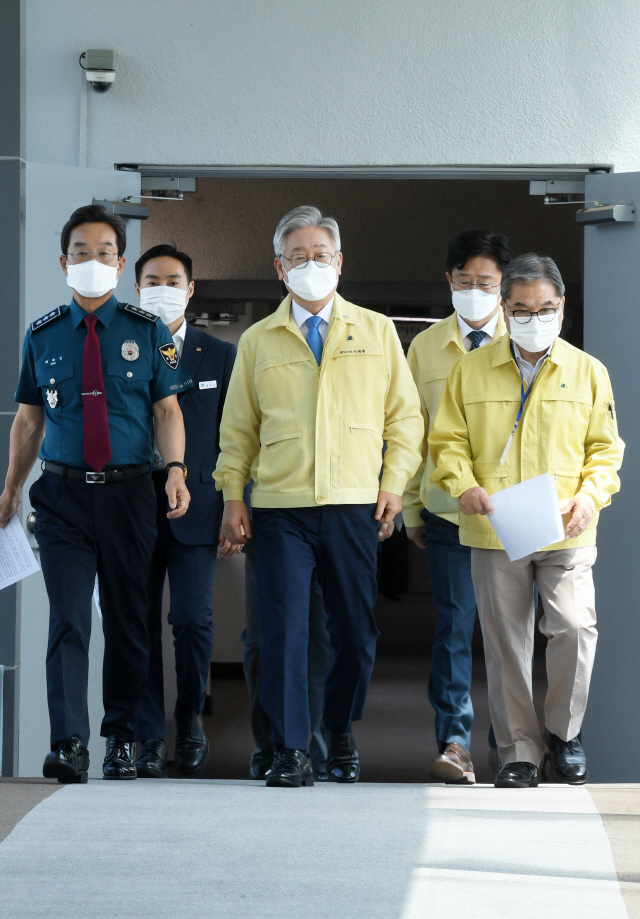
{"points": [[523, 398]]}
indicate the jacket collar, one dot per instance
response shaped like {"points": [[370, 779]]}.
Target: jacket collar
{"points": [[503, 352], [452, 335], [104, 313], [342, 311], [190, 356]]}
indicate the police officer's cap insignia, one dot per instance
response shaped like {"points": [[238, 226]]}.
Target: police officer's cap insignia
{"points": [[130, 350], [52, 397], [169, 355], [138, 311], [48, 317]]}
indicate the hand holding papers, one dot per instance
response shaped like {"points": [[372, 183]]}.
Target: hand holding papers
{"points": [[526, 517], [16, 556]]}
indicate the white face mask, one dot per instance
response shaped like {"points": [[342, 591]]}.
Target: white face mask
{"points": [[534, 336], [312, 282], [473, 304], [168, 303], [92, 278]]}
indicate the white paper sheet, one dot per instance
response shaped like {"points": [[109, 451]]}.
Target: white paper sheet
{"points": [[96, 597], [526, 517], [17, 560]]}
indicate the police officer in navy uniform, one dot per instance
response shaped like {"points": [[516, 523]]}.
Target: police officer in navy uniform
{"points": [[185, 548], [96, 376]]}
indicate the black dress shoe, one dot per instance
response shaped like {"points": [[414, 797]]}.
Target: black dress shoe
{"points": [[343, 762], [68, 762], [192, 744], [261, 764], [517, 775], [322, 776], [567, 760], [119, 762], [292, 770], [152, 760]]}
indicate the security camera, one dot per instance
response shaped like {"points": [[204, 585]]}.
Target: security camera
{"points": [[100, 68]]}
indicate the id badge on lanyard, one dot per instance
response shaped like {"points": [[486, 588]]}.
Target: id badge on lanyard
{"points": [[523, 398]]}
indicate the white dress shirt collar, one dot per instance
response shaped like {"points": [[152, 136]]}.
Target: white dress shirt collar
{"points": [[529, 372], [300, 315], [465, 330], [178, 337]]}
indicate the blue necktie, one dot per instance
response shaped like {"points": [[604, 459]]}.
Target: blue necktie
{"points": [[314, 338], [476, 338]]}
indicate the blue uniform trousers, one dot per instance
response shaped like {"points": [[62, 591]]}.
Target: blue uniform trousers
{"points": [[340, 543], [320, 657], [455, 602], [191, 570], [83, 530]]}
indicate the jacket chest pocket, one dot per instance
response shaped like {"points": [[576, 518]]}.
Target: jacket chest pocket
{"points": [[359, 377], [58, 386], [128, 382], [564, 420], [490, 420], [280, 381]]}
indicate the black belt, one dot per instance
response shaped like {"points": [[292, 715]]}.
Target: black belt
{"points": [[95, 478]]}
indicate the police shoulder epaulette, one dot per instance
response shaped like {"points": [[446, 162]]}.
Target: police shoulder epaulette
{"points": [[48, 317], [138, 311]]}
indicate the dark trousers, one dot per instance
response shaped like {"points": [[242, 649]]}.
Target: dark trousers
{"points": [[455, 602], [319, 660], [340, 543], [83, 530], [191, 570]]}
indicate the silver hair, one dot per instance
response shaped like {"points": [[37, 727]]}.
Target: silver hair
{"points": [[305, 216], [529, 268]]}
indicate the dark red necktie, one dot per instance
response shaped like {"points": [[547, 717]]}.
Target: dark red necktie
{"points": [[95, 422]]}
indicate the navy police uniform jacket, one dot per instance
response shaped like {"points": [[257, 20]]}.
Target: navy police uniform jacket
{"points": [[209, 362], [139, 364]]}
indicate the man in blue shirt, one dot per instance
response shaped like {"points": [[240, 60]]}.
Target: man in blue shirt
{"points": [[96, 376]]}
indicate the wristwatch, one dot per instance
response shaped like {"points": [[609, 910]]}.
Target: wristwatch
{"points": [[182, 466]]}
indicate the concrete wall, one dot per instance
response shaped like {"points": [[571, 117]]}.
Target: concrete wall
{"points": [[416, 82], [391, 231]]}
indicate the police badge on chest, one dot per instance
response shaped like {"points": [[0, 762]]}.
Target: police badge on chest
{"points": [[52, 397]]}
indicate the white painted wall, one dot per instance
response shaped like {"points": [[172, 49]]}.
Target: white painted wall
{"points": [[363, 82]]}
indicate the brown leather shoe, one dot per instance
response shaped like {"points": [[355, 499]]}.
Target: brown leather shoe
{"points": [[453, 766]]}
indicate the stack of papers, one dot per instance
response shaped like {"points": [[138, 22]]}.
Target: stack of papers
{"points": [[526, 517], [16, 555]]}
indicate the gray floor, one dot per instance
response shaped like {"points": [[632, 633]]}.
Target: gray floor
{"points": [[239, 850]]}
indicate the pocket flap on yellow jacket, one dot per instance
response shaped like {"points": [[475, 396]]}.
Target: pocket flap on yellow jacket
{"points": [[585, 398], [283, 435], [492, 471], [572, 469]]}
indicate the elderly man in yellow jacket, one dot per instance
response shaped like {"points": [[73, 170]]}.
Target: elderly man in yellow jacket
{"points": [[541, 406], [316, 389]]}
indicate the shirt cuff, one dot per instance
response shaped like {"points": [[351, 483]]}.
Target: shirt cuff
{"points": [[590, 492], [411, 517], [455, 487], [233, 492], [392, 484]]}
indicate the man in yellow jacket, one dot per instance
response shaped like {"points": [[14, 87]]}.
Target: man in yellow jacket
{"points": [[474, 261], [542, 406], [316, 389]]}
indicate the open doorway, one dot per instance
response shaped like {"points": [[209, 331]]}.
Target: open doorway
{"points": [[394, 237]]}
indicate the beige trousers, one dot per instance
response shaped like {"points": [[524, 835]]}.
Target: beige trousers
{"points": [[504, 594]]}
